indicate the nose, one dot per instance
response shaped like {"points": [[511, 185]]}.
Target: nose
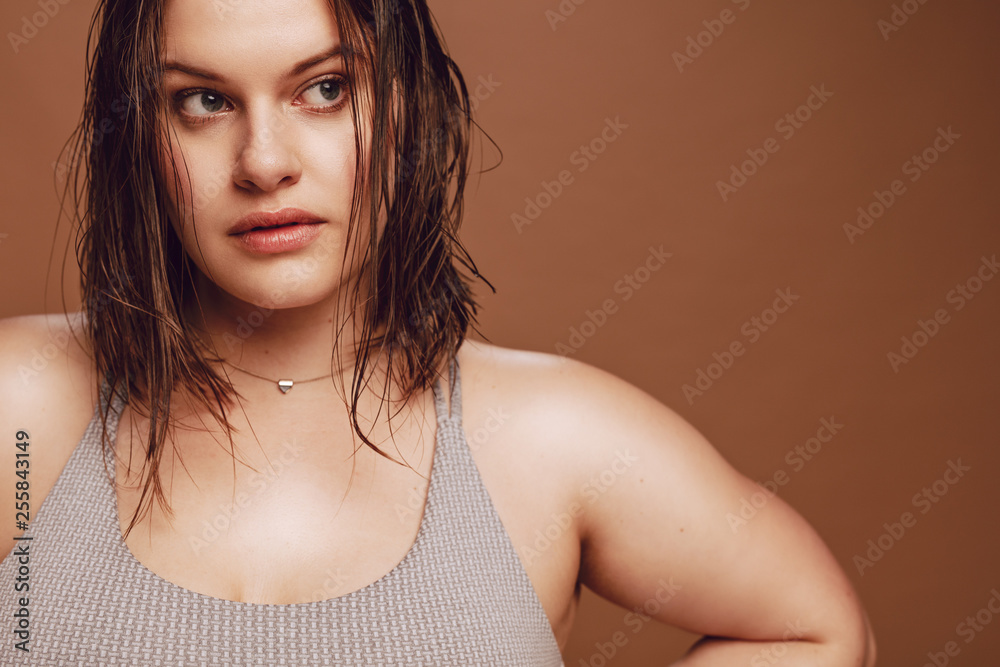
{"points": [[268, 156]]}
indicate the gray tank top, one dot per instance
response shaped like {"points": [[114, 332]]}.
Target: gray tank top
{"points": [[460, 596]]}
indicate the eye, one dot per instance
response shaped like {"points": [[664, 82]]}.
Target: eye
{"points": [[325, 92], [209, 102]]}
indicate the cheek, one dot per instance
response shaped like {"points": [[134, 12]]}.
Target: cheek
{"points": [[183, 185], [327, 160], [328, 180], [188, 181]]}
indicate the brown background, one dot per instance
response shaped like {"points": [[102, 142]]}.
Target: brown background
{"points": [[656, 185]]}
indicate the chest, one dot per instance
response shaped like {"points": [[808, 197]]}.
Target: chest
{"points": [[310, 513]]}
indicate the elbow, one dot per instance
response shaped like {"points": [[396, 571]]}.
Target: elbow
{"points": [[856, 648], [868, 660], [847, 637]]}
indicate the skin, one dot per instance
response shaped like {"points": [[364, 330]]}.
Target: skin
{"points": [[645, 495]]}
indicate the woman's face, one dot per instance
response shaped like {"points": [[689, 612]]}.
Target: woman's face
{"points": [[258, 109]]}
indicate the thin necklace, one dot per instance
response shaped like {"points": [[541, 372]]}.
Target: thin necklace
{"points": [[284, 386]]}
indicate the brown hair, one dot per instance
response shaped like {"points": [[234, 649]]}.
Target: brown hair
{"points": [[136, 276]]}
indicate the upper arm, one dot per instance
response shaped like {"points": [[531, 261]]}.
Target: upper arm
{"points": [[661, 528]]}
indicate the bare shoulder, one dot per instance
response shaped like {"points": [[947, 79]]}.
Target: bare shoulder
{"points": [[572, 407], [48, 396], [45, 359], [566, 421], [590, 418]]}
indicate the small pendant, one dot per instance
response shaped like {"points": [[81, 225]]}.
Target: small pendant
{"points": [[285, 386]]}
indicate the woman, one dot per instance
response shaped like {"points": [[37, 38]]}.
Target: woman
{"points": [[271, 207]]}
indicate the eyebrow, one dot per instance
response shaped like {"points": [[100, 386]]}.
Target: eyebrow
{"points": [[308, 63]]}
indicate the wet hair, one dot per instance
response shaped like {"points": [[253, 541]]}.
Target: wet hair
{"points": [[136, 277]]}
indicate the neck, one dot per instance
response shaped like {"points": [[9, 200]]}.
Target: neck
{"points": [[277, 343]]}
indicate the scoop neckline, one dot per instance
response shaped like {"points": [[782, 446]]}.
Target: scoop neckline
{"points": [[139, 568]]}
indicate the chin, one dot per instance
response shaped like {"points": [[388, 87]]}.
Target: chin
{"points": [[283, 285], [293, 296]]}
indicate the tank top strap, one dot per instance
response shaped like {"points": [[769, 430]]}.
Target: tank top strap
{"points": [[110, 404], [449, 411]]}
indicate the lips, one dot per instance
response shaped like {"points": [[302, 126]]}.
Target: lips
{"points": [[264, 233], [262, 220]]}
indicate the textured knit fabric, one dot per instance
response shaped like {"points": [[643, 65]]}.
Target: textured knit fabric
{"points": [[460, 596]]}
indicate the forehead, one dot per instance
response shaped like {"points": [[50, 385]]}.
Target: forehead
{"points": [[247, 39]]}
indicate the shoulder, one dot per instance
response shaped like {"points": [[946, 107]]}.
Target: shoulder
{"points": [[575, 420], [44, 359], [565, 397], [47, 385]]}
